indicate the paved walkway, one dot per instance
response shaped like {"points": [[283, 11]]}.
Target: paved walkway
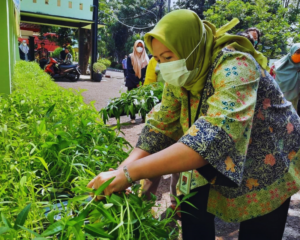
{"points": [[111, 87]]}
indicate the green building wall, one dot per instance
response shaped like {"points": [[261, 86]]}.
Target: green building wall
{"points": [[9, 52]]}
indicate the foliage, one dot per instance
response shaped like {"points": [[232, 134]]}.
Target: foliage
{"points": [[56, 52], [115, 36], [105, 61], [99, 67], [276, 22], [51, 145], [64, 36], [195, 5], [140, 100]]}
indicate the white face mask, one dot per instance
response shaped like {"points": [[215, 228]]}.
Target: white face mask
{"points": [[139, 49], [25, 44], [176, 72]]}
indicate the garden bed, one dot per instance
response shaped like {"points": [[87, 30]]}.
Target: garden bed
{"points": [[51, 141]]}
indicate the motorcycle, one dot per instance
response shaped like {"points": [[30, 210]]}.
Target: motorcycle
{"points": [[62, 71]]}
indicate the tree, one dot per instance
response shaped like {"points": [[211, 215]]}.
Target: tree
{"points": [[270, 16], [139, 16], [198, 6]]}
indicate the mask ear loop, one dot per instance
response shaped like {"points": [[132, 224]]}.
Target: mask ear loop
{"points": [[203, 36]]}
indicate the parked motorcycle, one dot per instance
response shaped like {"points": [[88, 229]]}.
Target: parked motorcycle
{"points": [[60, 71]]}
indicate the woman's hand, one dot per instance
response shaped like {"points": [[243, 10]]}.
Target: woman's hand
{"points": [[120, 182]]}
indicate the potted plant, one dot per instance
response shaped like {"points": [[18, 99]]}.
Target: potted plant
{"points": [[106, 62], [98, 68]]}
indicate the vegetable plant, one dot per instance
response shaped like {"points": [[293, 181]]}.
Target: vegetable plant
{"points": [[51, 145], [140, 100]]}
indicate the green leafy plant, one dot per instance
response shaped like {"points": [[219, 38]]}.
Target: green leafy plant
{"points": [[140, 100], [98, 67], [51, 145], [105, 61]]}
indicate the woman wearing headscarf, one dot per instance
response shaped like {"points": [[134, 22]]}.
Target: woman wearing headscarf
{"points": [[137, 63], [224, 124], [287, 74]]}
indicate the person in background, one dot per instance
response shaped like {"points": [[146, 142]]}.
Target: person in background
{"points": [[256, 34], [224, 124], [24, 49], [246, 35], [42, 54], [62, 54], [124, 66], [153, 74], [287, 75], [137, 63], [68, 59]]}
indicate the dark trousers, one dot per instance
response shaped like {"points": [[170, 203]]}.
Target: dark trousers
{"points": [[200, 224], [125, 72], [43, 62]]}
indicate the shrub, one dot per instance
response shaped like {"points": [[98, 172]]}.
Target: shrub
{"points": [[105, 61], [119, 66], [98, 67], [56, 52]]}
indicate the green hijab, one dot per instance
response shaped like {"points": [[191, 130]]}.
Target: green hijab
{"points": [[182, 30]]}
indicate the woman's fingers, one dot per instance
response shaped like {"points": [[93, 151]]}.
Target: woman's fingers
{"points": [[91, 183]]}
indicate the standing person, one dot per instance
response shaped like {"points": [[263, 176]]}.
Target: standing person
{"points": [[124, 65], [224, 124], [256, 34], [24, 49], [42, 54], [136, 68], [287, 74]]}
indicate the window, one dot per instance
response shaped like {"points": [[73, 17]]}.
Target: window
{"points": [[81, 6], [58, 3], [70, 4], [47, 2]]}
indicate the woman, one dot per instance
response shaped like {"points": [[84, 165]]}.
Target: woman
{"points": [[255, 34], [137, 63], [287, 74], [224, 120]]}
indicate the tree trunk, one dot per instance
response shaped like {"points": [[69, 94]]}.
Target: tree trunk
{"points": [[85, 49]]}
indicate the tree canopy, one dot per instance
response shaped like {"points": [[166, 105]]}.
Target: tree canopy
{"points": [[278, 21]]}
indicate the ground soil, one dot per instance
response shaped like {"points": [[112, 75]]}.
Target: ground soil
{"points": [[112, 86]]}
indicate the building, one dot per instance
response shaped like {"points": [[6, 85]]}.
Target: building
{"points": [[80, 14]]}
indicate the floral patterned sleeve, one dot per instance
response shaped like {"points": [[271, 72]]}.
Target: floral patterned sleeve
{"points": [[163, 123], [222, 134]]}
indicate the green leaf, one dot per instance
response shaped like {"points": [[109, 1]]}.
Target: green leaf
{"points": [[43, 162], [5, 221], [161, 233], [21, 218], [4, 230], [50, 110], [105, 212], [40, 238], [30, 231], [79, 198], [97, 232], [53, 229], [103, 186]]}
